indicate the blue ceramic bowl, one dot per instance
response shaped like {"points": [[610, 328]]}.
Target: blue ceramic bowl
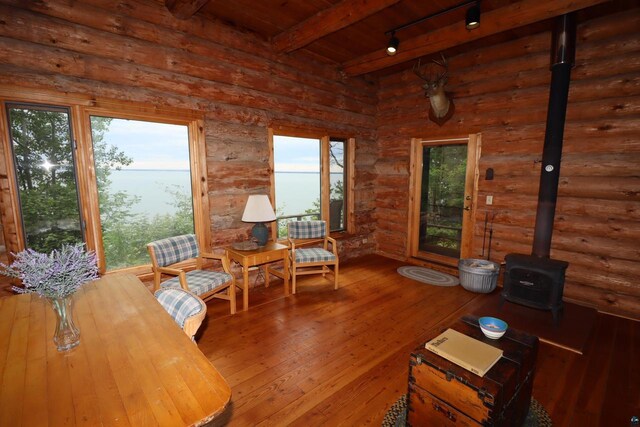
{"points": [[492, 327]]}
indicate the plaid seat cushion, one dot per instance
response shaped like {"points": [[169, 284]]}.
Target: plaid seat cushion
{"points": [[199, 281], [175, 249], [307, 229], [180, 304], [313, 255]]}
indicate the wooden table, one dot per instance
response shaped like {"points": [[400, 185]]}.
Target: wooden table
{"points": [[134, 365], [269, 253]]}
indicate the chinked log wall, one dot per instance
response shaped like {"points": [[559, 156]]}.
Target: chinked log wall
{"points": [[136, 50], [502, 92]]}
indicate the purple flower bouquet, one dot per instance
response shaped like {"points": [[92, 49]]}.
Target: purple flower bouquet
{"points": [[56, 277]]}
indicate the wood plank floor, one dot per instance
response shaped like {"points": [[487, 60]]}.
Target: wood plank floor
{"points": [[329, 358]]}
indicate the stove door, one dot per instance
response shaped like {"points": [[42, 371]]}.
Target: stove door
{"points": [[533, 286]]}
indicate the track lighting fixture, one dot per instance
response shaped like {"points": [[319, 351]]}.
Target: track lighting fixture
{"points": [[392, 47], [472, 19]]}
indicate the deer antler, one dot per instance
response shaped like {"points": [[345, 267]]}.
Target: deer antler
{"points": [[416, 71], [430, 78], [443, 64], [443, 76]]}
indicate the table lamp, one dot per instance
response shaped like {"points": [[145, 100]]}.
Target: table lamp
{"points": [[259, 210]]}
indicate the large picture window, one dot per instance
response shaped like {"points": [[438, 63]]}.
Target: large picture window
{"points": [[144, 195], [297, 180], [115, 175], [311, 180]]}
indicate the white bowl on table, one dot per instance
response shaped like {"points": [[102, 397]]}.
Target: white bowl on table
{"points": [[492, 327]]}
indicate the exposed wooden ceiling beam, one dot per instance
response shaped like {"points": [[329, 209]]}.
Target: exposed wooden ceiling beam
{"points": [[328, 21], [496, 21], [184, 9]]}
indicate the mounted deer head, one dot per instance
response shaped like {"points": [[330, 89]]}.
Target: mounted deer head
{"points": [[442, 107]]}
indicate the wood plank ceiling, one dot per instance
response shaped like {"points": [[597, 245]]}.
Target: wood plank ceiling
{"points": [[350, 34]]}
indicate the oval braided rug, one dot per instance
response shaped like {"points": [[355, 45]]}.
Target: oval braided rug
{"points": [[426, 275]]}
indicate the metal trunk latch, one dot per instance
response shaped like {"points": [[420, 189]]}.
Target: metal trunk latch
{"points": [[450, 375]]}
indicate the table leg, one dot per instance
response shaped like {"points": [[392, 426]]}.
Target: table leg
{"points": [[245, 287], [285, 263]]}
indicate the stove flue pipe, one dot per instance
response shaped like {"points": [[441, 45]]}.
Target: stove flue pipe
{"points": [[563, 49]]}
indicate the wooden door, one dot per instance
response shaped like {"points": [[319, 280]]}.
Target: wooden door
{"points": [[444, 176]]}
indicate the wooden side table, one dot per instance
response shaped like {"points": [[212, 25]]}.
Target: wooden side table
{"points": [[271, 252]]}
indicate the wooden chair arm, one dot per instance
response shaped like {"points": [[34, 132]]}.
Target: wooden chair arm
{"points": [[223, 258], [183, 281], [212, 255], [169, 270], [182, 276], [334, 245]]}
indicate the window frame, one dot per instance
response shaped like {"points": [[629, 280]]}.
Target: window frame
{"points": [[11, 165], [324, 137], [81, 107]]}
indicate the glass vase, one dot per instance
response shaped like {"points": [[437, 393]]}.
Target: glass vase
{"points": [[67, 335]]}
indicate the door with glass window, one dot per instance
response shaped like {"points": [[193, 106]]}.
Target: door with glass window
{"points": [[443, 178]]}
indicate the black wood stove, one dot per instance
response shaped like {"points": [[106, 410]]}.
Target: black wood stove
{"points": [[536, 280]]}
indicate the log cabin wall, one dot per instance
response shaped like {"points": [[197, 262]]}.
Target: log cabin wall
{"points": [[502, 91], [135, 50]]}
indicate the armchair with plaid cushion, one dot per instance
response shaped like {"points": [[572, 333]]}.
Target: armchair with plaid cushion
{"points": [[166, 254], [310, 253], [187, 309]]}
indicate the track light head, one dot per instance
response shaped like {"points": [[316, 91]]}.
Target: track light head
{"points": [[472, 19], [392, 47]]}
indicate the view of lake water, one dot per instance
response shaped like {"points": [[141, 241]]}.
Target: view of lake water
{"points": [[296, 191]]}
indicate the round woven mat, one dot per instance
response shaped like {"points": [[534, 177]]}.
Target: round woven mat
{"points": [[426, 275], [396, 415]]}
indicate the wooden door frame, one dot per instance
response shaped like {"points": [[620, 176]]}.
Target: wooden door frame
{"points": [[474, 144]]}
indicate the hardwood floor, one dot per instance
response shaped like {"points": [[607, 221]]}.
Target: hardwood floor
{"points": [[328, 358]]}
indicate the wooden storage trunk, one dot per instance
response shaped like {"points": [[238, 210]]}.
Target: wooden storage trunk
{"points": [[442, 393]]}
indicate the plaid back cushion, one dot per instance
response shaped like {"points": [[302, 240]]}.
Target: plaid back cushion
{"points": [[175, 249], [179, 303], [307, 229]]}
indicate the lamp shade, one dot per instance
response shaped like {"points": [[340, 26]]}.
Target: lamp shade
{"points": [[258, 209]]}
